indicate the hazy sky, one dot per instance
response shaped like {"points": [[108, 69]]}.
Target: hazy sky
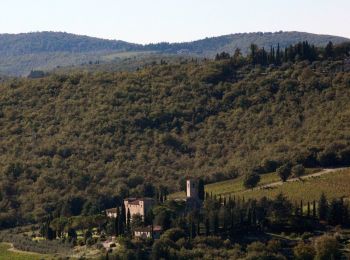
{"points": [[145, 21]]}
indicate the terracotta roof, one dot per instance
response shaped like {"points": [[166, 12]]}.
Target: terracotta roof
{"points": [[112, 210], [148, 229], [136, 201]]}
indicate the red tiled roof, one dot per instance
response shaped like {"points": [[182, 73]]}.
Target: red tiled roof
{"points": [[149, 229], [135, 201], [112, 210]]}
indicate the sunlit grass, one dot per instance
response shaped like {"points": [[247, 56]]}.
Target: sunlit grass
{"points": [[5, 254], [333, 184]]}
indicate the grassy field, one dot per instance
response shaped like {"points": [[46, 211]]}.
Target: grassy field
{"points": [[5, 254], [334, 185]]}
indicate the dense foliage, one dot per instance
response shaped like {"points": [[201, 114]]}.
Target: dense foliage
{"points": [[75, 143]]}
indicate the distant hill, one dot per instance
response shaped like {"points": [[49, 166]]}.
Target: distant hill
{"points": [[21, 53], [43, 42], [211, 46]]}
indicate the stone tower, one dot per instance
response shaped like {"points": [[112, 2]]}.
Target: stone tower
{"points": [[191, 189]]}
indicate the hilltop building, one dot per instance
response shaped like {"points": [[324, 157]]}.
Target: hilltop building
{"points": [[112, 213], [138, 206], [148, 232], [192, 199]]}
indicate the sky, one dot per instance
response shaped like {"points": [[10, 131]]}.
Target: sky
{"points": [[150, 21]]}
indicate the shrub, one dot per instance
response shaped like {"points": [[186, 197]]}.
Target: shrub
{"points": [[274, 246], [174, 234], [284, 172], [327, 247], [90, 241], [251, 180], [298, 170], [304, 251], [256, 247]]}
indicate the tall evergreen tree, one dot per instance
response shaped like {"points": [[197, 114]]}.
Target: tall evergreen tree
{"points": [[278, 55], [128, 222], [329, 51], [201, 191], [322, 207], [121, 226], [207, 227], [314, 209]]}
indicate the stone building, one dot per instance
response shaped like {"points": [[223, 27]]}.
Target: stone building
{"points": [[112, 213], [138, 206], [192, 189], [192, 199], [146, 232]]}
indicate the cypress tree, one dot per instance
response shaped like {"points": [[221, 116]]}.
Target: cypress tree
{"points": [[322, 207], [296, 209], [128, 221], [193, 229], [232, 220], [278, 55], [329, 50], [308, 209], [161, 199], [314, 209], [122, 221], [207, 227], [215, 222], [198, 226], [301, 208], [201, 189], [120, 226]]}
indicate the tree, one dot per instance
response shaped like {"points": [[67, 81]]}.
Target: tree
{"points": [[237, 56], [251, 180], [149, 190], [336, 212], [298, 170], [222, 56], [327, 158], [161, 249], [207, 227], [329, 50], [201, 192], [174, 234], [214, 222], [281, 209], [284, 172], [72, 235], [269, 165], [253, 53], [163, 218], [87, 235], [128, 221], [137, 221], [322, 207], [121, 221]]}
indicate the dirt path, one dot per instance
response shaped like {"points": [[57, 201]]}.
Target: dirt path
{"points": [[317, 174]]}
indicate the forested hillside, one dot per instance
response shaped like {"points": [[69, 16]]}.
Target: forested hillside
{"points": [[74, 143], [21, 53]]}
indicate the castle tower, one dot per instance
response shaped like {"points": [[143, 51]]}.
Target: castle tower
{"points": [[191, 189]]}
